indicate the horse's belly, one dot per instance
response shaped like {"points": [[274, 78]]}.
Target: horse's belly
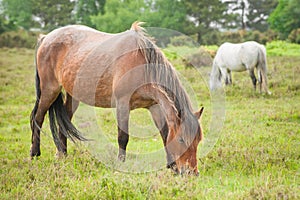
{"points": [[91, 90], [237, 68], [235, 65]]}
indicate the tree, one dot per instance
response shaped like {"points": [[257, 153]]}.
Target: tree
{"points": [[52, 14], [169, 14], [18, 12], [239, 7], [206, 15], [285, 17], [258, 13], [119, 15], [86, 8], [49, 14]]}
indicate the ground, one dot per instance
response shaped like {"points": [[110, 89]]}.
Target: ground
{"points": [[256, 155]]}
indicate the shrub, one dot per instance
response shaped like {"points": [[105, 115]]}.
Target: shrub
{"points": [[199, 58], [211, 38], [182, 40], [282, 48], [19, 38], [241, 36], [294, 36], [234, 37]]}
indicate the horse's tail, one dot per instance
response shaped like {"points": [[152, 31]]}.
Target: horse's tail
{"points": [[215, 80], [262, 68], [37, 84], [58, 116]]}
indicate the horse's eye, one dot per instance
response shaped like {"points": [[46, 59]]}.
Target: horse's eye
{"points": [[180, 140]]}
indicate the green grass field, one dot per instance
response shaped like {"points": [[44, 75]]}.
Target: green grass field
{"points": [[257, 155]]}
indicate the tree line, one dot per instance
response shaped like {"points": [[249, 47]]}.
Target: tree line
{"points": [[199, 18]]}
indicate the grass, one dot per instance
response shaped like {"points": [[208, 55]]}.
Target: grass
{"points": [[256, 157]]}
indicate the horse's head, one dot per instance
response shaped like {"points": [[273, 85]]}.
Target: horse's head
{"points": [[182, 143]]}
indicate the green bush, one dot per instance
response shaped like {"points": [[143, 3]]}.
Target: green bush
{"points": [[19, 38], [198, 58], [190, 56], [294, 36], [218, 38], [282, 48], [212, 38], [182, 40]]}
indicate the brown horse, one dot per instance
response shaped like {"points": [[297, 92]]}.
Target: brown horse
{"points": [[125, 71]]}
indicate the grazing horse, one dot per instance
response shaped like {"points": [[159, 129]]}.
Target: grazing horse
{"points": [[123, 71], [239, 57]]}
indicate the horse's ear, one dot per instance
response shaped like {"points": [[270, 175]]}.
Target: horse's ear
{"points": [[199, 113]]}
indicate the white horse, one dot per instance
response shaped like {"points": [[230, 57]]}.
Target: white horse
{"points": [[238, 58]]}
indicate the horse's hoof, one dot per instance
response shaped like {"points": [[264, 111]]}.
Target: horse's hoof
{"points": [[121, 158], [34, 153], [61, 154]]}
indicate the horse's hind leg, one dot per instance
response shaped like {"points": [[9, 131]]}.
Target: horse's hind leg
{"points": [[38, 115], [71, 106], [253, 78]]}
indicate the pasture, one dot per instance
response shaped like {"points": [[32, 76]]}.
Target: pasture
{"points": [[256, 156]]}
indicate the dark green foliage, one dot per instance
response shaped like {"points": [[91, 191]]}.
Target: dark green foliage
{"points": [[20, 38], [205, 15], [19, 12], [119, 15], [6, 25], [39, 13], [285, 17], [200, 19], [294, 36], [259, 12], [167, 14], [53, 14], [87, 8]]}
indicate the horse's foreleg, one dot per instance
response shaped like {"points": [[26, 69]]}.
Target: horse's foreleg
{"points": [[71, 106], [228, 80], [253, 78], [162, 126], [122, 119]]}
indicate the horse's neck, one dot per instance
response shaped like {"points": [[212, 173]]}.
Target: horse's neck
{"points": [[167, 106]]}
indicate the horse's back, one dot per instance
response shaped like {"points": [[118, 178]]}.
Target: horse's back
{"points": [[85, 62], [238, 56], [227, 56]]}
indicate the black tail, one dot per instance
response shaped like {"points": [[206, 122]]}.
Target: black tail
{"points": [[58, 116]]}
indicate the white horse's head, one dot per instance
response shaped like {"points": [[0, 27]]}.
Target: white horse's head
{"points": [[215, 80]]}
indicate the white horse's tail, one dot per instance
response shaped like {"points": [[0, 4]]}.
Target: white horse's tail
{"points": [[215, 80], [262, 69]]}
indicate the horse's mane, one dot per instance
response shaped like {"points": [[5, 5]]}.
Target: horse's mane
{"points": [[160, 71]]}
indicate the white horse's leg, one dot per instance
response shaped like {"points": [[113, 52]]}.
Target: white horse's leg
{"points": [[228, 77], [253, 78], [225, 76]]}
